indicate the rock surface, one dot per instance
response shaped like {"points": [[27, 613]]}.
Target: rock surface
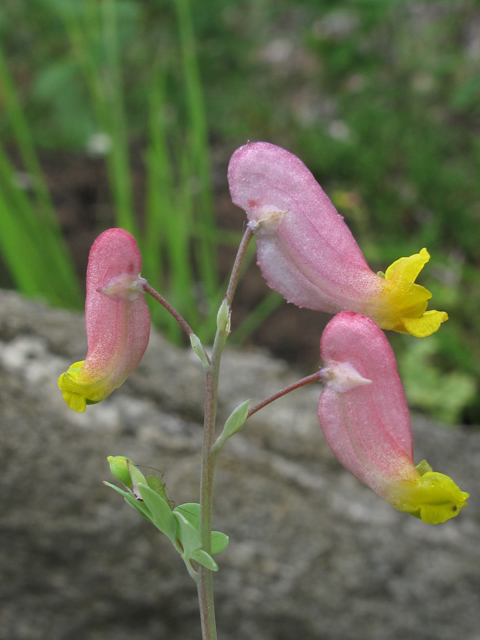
{"points": [[312, 554]]}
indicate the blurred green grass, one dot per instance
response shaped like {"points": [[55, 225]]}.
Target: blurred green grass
{"points": [[380, 98]]}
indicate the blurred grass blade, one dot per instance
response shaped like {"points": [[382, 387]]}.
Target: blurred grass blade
{"points": [[92, 30], [31, 267], [23, 140], [200, 158], [169, 211], [14, 253], [158, 200], [206, 332], [256, 317], [118, 129], [39, 216]]}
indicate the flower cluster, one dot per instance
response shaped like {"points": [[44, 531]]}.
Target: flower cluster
{"points": [[307, 253]]}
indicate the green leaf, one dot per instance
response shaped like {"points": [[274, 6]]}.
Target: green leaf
{"points": [[191, 512], [122, 492], [136, 476], [236, 420], [140, 507], [132, 501], [223, 318], [135, 473], [205, 560], [157, 485], [219, 542], [199, 350], [188, 535], [161, 514]]}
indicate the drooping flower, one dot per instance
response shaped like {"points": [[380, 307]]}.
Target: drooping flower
{"points": [[117, 320], [364, 417], [307, 253]]}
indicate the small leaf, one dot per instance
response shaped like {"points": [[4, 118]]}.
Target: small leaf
{"points": [[137, 478], [132, 501], [199, 350], [223, 318], [122, 492], [191, 512], [236, 420], [188, 535], [161, 514], [219, 542], [140, 507], [157, 485], [135, 473], [205, 560]]}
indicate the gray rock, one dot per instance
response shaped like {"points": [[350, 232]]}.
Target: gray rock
{"points": [[313, 554]]}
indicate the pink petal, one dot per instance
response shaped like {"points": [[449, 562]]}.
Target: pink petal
{"points": [[305, 249], [367, 426], [118, 329]]}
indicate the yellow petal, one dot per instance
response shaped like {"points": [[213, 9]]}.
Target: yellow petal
{"points": [[426, 325], [77, 393], [434, 497], [403, 304], [74, 369], [409, 267], [74, 400]]}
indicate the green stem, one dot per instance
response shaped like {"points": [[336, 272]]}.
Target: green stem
{"points": [[173, 312], [205, 582], [242, 249]]}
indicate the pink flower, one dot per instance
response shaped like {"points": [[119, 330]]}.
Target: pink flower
{"points": [[364, 417], [117, 319], [308, 254]]}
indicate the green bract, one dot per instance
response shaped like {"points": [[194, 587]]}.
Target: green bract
{"points": [[236, 420], [181, 526], [234, 423]]}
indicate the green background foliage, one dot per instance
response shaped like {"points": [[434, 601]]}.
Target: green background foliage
{"points": [[380, 98]]}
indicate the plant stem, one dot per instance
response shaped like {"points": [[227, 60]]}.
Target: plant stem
{"points": [[205, 581], [291, 387], [181, 321], [232, 285], [159, 298]]}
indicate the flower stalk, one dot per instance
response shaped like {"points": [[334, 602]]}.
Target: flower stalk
{"points": [[181, 321], [205, 581], [314, 377]]}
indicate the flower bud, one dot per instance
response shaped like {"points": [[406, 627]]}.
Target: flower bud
{"points": [[119, 469]]}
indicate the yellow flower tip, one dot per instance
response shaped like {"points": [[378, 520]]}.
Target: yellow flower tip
{"points": [[434, 498], [77, 393], [425, 325], [66, 382], [408, 268], [405, 303], [75, 401]]}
